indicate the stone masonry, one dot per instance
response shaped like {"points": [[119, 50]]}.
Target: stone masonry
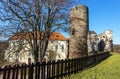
{"points": [[78, 31], [83, 42]]}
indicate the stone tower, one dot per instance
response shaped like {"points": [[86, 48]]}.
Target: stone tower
{"points": [[78, 31]]}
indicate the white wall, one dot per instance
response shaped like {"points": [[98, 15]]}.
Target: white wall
{"points": [[12, 53], [18, 50], [59, 50]]}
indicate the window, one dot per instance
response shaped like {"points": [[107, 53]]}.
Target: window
{"points": [[103, 36], [73, 31], [59, 56], [51, 41], [56, 47], [62, 48]]}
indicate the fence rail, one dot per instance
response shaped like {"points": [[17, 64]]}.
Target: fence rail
{"points": [[51, 69]]}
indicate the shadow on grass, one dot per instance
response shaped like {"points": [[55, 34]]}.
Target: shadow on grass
{"points": [[93, 65], [87, 68]]}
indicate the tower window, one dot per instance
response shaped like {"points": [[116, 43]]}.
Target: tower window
{"points": [[73, 31]]}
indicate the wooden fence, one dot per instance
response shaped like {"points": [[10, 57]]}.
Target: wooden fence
{"points": [[51, 69]]}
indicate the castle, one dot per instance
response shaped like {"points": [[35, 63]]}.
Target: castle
{"points": [[82, 42]]}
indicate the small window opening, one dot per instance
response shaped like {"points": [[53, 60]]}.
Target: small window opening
{"points": [[103, 36], [73, 31]]}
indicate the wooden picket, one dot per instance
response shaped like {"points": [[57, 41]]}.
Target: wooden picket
{"points": [[50, 69]]}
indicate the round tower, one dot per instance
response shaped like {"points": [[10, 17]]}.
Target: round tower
{"points": [[78, 31]]}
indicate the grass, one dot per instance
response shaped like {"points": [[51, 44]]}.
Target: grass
{"points": [[107, 69]]}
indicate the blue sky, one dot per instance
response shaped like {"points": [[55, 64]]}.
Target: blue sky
{"points": [[104, 15]]}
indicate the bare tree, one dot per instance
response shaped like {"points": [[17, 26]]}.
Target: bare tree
{"points": [[35, 18]]}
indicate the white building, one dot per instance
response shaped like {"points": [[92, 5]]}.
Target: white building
{"points": [[20, 49]]}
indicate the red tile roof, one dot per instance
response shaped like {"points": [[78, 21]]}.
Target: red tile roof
{"points": [[53, 36]]}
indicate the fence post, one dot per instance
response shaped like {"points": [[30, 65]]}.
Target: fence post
{"points": [[68, 66], [13, 72], [58, 68], [75, 65], [30, 71], [43, 70], [0, 70], [73, 62], [61, 68], [4, 72], [72, 67], [53, 68], [37, 70], [9, 72], [82, 62], [22, 67], [48, 69], [17, 71], [95, 58]]}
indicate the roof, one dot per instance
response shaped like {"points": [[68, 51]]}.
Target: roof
{"points": [[25, 36]]}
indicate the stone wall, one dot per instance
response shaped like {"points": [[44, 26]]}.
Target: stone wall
{"points": [[107, 39], [101, 42], [92, 42], [78, 31]]}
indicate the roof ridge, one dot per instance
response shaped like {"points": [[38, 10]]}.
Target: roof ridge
{"points": [[24, 35]]}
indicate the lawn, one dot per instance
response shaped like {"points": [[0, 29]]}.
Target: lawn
{"points": [[107, 69]]}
